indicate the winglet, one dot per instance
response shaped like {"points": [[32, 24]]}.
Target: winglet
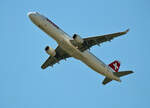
{"points": [[127, 30]]}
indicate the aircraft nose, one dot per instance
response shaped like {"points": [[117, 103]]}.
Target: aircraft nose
{"points": [[32, 14]]}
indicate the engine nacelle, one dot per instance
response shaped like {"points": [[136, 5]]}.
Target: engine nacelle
{"points": [[50, 51], [78, 39]]}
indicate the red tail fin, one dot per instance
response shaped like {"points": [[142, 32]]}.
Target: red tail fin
{"points": [[115, 65]]}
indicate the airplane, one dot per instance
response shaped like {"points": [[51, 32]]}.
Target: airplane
{"points": [[78, 48]]}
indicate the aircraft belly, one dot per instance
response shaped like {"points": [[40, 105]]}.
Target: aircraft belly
{"points": [[86, 57], [70, 49], [95, 64]]}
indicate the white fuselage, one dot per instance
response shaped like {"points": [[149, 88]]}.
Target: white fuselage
{"points": [[63, 40]]}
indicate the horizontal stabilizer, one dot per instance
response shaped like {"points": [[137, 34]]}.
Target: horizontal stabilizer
{"points": [[106, 80], [118, 74], [122, 73]]}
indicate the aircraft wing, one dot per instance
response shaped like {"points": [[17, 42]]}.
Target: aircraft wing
{"points": [[60, 54], [97, 40]]}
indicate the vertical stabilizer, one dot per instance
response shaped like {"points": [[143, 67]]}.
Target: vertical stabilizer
{"points": [[115, 65]]}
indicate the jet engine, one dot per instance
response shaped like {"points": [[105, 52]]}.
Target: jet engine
{"points": [[78, 39], [50, 51]]}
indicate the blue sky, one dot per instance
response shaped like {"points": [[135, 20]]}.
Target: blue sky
{"points": [[71, 84]]}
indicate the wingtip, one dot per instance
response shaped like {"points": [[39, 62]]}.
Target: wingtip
{"points": [[104, 83], [127, 30], [131, 72], [42, 67]]}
